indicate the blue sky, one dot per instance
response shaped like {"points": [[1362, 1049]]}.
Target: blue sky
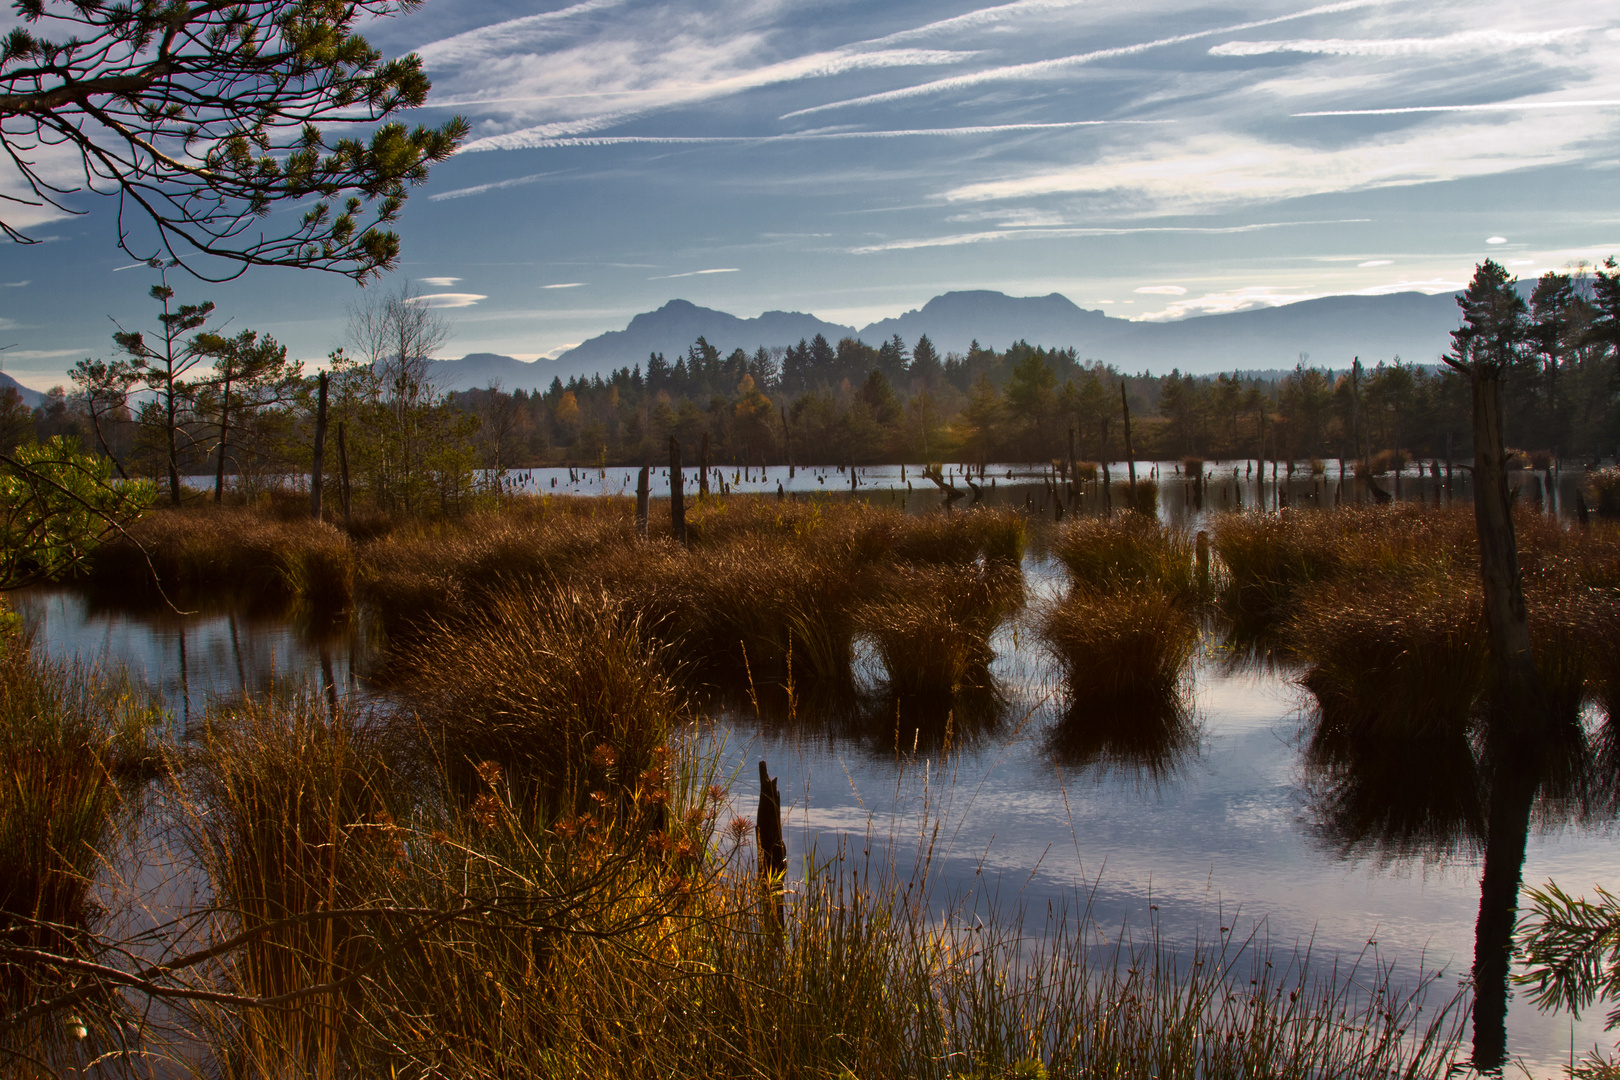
{"points": [[1151, 159]]}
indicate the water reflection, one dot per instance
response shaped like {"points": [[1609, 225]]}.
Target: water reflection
{"points": [[1153, 739]]}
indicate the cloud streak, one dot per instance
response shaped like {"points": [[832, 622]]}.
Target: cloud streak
{"points": [[1046, 69], [533, 140], [1468, 41], [1076, 232]]}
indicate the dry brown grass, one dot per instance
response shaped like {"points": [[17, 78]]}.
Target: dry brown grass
{"points": [[1127, 550], [235, 553], [1132, 644], [931, 627]]}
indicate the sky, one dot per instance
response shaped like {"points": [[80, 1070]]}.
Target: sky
{"points": [[1154, 160]]}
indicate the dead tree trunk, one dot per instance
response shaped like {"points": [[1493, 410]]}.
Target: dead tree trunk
{"points": [[677, 502], [320, 448], [641, 503], [1130, 455], [772, 843]]}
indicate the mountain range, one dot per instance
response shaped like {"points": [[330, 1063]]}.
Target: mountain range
{"points": [[1329, 330]]}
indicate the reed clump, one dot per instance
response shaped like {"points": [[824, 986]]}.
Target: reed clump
{"points": [[1127, 550], [1393, 662], [931, 627], [237, 553], [1130, 645], [1270, 559], [1602, 486], [1143, 500], [564, 692]]}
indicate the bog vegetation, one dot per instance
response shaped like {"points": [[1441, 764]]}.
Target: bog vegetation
{"points": [[516, 859]]}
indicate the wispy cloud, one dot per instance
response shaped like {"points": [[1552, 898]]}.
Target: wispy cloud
{"points": [[536, 139], [564, 285], [667, 94], [1489, 107], [503, 36], [696, 273], [1046, 69], [1467, 41], [1162, 290], [494, 185], [1210, 171], [1073, 232], [439, 282]]}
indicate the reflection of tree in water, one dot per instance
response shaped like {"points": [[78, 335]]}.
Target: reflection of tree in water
{"points": [[1150, 737], [1451, 793]]}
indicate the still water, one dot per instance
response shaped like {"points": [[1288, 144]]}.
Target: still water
{"points": [[1233, 829]]}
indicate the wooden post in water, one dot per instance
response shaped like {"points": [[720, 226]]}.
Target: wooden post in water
{"points": [[641, 503], [703, 467], [677, 501], [320, 448], [772, 844], [343, 471], [1073, 480]]}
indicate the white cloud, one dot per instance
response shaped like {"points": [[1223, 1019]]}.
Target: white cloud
{"points": [[439, 282], [1468, 41], [1521, 262], [1220, 303], [1162, 290], [13, 284], [449, 299], [1430, 286], [564, 285], [696, 273], [1488, 107], [1219, 169], [1375, 262], [1496, 239]]}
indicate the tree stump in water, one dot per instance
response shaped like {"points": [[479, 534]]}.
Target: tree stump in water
{"points": [[772, 844]]}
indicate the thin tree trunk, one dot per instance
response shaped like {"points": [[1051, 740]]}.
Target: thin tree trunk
{"points": [[224, 431], [343, 471], [677, 502], [1130, 455], [320, 448], [174, 453], [787, 441], [641, 502], [1505, 617]]}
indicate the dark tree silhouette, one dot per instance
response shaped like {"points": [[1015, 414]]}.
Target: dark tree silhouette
{"points": [[203, 116]]}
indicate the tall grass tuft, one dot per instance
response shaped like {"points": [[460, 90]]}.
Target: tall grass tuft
{"points": [[1390, 662], [75, 751], [293, 813], [564, 692], [1128, 550], [1128, 647], [931, 627]]}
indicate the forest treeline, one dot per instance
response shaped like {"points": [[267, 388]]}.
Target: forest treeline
{"points": [[182, 400]]}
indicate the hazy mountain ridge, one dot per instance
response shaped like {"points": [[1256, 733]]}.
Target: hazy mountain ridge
{"points": [[31, 398], [1331, 330]]}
